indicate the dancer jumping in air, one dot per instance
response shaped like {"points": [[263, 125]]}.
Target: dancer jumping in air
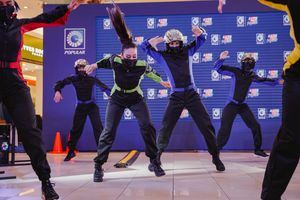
{"points": [[86, 106], [14, 92], [242, 79], [126, 93], [176, 62]]}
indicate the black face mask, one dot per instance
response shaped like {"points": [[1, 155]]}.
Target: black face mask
{"points": [[129, 63], [175, 49], [248, 65], [81, 73], [6, 13]]}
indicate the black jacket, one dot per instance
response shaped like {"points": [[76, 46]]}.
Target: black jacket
{"points": [[11, 34], [83, 86]]}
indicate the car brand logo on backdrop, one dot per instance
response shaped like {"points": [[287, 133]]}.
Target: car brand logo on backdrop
{"points": [[74, 41]]}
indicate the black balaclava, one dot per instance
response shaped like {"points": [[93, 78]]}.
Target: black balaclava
{"points": [[80, 63], [248, 64], [80, 73], [129, 63], [174, 50], [6, 13]]}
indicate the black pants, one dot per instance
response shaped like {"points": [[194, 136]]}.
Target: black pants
{"points": [[81, 113], [114, 113], [191, 101], [229, 113], [286, 149], [16, 97]]}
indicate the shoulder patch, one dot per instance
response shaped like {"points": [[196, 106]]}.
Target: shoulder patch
{"points": [[141, 63], [117, 59]]}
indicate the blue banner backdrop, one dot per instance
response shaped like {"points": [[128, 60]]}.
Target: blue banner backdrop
{"points": [[89, 35]]}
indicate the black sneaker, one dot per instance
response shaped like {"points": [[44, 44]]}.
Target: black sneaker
{"points": [[219, 165], [156, 168], [71, 154], [48, 192], [98, 174], [260, 153]]}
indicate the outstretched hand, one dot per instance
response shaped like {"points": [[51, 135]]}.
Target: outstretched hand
{"points": [[197, 31], [155, 41], [57, 97], [224, 55], [220, 6], [74, 4], [90, 68], [166, 84]]}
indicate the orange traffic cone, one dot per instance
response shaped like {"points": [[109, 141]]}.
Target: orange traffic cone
{"points": [[57, 147]]}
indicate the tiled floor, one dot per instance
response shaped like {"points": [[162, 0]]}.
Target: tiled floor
{"points": [[189, 176]]}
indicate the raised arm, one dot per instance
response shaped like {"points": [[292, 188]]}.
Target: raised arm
{"points": [[103, 63], [56, 17], [149, 47], [224, 69], [201, 37]]}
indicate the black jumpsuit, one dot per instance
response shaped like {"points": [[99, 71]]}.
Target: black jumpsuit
{"points": [[241, 82], [127, 93], [86, 106], [14, 92]]}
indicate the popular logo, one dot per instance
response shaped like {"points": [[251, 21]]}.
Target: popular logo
{"points": [[215, 76], [260, 38], [74, 38], [262, 113], [151, 93], [240, 21], [216, 112], [196, 57], [215, 39], [239, 56], [150, 60], [151, 23], [128, 115], [286, 20], [74, 41], [107, 24], [261, 73], [195, 21]]}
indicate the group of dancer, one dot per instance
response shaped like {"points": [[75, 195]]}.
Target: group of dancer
{"points": [[128, 73]]}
